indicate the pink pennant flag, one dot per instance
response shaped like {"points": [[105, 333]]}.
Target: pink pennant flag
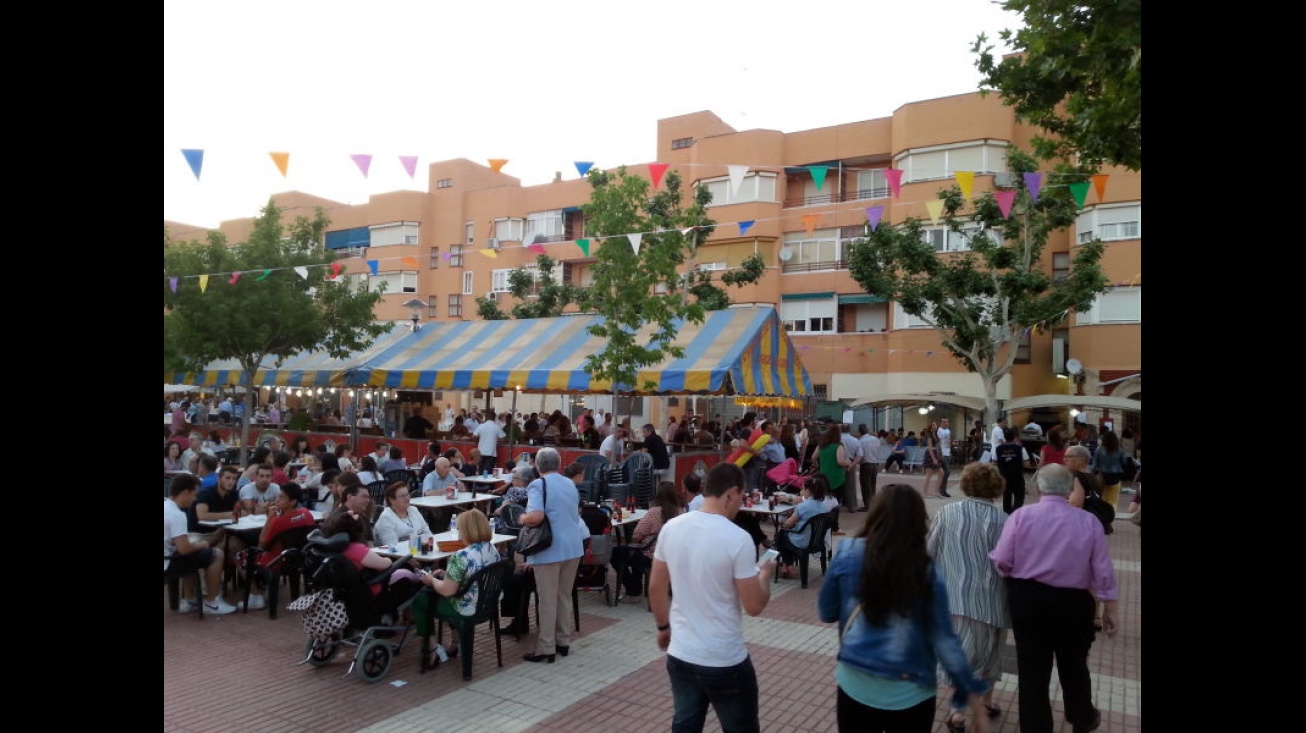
{"points": [[894, 177], [536, 248], [1005, 197], [234, 277], [635, 240], [409, 162], [873, 216], [655, 171], [1032, 182], [363, 161]]}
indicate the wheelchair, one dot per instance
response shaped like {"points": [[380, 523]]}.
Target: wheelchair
{"points": [[372, 632]]}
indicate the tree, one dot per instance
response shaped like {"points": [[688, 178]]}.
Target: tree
{"points": [[538, 293], [983, 300], [1077, 72], [271, 310]]}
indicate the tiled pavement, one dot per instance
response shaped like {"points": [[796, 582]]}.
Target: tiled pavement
{"points": [[240, 672]]}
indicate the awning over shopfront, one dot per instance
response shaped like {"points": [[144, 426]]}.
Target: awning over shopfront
{"points": [[1100, 402], [922, 398], [734, 351]]}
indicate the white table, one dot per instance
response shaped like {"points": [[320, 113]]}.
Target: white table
{"points": [[628, 517], [485, 483], [462, 498], [436, 555], [250, 521]]}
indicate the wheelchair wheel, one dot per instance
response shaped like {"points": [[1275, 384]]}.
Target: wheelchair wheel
{"points": [[374, 659], [320, 654]]}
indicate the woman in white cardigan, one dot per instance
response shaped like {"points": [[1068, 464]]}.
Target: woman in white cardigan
{"points": [[401, 521]]}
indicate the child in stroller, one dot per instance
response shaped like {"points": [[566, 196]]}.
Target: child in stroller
{"points": [[345, 571], [787, 478]]}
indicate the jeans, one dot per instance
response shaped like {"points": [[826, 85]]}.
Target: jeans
{"points": [[946, 462], [731, 691], [854, 716]]}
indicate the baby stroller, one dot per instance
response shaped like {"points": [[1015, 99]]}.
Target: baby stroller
{"points": [[786, 477], [343, 612]]}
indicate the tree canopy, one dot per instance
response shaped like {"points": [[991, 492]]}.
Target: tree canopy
{"points": [[981, 300], [1076, 71]]}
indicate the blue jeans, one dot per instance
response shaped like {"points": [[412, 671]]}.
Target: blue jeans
{"points": [[731, 691]]}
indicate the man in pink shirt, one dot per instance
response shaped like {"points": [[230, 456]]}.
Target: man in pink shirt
{"points": [[1056, 564]]}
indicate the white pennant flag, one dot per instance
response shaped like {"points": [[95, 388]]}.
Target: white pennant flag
{"points": [[302, 272], [634, 242], [736, 176]]}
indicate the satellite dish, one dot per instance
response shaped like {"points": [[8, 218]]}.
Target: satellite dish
{"points": [[786, 254], [1073, 366]]}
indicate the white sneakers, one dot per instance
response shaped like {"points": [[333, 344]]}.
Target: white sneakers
{"points": [[256, 602], [186, 606], [220, 607]]}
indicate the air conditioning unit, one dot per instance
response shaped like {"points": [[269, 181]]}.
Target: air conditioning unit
{"points": [[492, 295], [492, 243], [1004, 179]]}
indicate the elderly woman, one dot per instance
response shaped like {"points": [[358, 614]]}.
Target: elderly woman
{"points": [[401, 521], [961, 536], [554, 496], [515, 492], [474, 531]]}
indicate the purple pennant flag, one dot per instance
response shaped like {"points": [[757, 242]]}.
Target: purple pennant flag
{"points": [[1032, 182], [363, 161], [410, 164], [744, 226], [172, 283], [583, 167], [873, 215], [195, 158], [371, 265]]}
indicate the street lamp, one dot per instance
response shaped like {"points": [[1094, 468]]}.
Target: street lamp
{"points": [[415, 306]]}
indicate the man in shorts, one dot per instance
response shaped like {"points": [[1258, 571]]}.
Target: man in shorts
{"points": [[182, 555]]}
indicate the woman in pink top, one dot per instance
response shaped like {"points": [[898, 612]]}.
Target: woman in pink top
{"points": [[404, 583], [1055, 450]]}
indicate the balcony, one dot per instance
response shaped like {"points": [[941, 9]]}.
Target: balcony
{"points": [[834, 198], [791, 267]]}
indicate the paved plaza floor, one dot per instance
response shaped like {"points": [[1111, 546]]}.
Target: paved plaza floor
{"points": [[239, 672]]}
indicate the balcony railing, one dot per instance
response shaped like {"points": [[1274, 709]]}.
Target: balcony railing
{"points": [[834, 198], [787, 267]]}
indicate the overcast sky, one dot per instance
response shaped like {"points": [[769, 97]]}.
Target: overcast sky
{"points": [[542, 84]]}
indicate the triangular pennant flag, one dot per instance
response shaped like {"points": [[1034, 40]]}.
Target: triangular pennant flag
{"points": [[446, 256], [410, 262], [965, 179], [536, 248], [195, 158], [234, 277], [583, 167], [335, 269], [873, 216], [372, 265], [363, 161], [809, 223], [204, 283], [264, 276], [655, 171], [685, 232], [1005, 197], [496, 164], [490, 253], [894, 177], [1032, 182], [302, 271], [409, 162], [584, 245], [736, 176], [1079, 189], [172, 284], [818, 175], [282, 160], [634, 241], [1099, 184], [934, 208], [744, 225]]}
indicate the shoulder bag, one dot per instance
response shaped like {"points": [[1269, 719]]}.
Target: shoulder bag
{"points": [[540, 537]]}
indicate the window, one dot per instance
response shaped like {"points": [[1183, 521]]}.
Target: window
{"points": [[1121, 305], [820, 392], [1060, 266], [712, 266], [545, 224], [432, 306], [1022, 347], [404, 281], [754, 187], [809, 315], [580, 274], [455, 306], [872, 184], [508, 230], [467, 282], [626, 405], [819, 251], [435, 258], [904, 320], [355, 239], [681, 143], [942, 161], [943, 239], [469, 233], [356, 283], [499, 280], [455, 255], [1110, 223], [444, 183], [403, 232]]}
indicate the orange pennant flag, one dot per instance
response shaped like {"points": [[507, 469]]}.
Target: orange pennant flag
{"points": [[809, 223], [410, 262], [282, 160], [1099, 185], [655, 171], [965, 179], [496, 164]]}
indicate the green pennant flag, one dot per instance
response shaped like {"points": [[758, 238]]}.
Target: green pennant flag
{"points": [[818, 175], [1080, 191], [264, 276], [584, 245]]}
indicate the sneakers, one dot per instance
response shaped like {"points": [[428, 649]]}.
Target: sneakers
{"points": [[187, 607], [256, 602], [632, 599], [219, 607]]}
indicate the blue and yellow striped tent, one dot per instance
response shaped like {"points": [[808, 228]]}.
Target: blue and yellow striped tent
{"points": [[741, 351]]}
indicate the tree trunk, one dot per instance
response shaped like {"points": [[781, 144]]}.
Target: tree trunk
{"points": [[991, 411]]}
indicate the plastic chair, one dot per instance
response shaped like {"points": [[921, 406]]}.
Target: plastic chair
{"points": [[592, 484], [592, 573], [915, 458], [290, 565], [403, 474], [173, 578], [377, 491], [488, 582], [637, 480], [818, 541]]}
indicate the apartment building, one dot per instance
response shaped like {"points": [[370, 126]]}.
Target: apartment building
{"points": [[797, 199]]}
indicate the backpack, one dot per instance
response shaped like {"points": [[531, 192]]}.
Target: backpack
{"points": [[1100, 508]]}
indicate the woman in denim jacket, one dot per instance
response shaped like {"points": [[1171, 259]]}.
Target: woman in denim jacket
{"points": [[893, 637]]}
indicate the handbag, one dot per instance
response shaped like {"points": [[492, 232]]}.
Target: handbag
{"points": [[540, 537], [324, 614]]}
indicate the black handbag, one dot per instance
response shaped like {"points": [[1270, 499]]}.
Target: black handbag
{"points": [[540, 537]]}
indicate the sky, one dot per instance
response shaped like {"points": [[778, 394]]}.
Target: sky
{"points": [[541, 84]]}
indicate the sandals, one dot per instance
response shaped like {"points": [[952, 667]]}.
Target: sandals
{"points": [[954, 726]]}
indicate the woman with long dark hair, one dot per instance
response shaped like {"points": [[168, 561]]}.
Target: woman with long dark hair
{"points": [[894, 622]]}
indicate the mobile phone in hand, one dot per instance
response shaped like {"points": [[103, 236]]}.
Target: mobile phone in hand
{"points": [[768, 556]]}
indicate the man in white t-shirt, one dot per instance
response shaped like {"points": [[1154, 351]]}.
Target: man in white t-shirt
{"points": [[181, 554], [712, 563], [613, 447], [944, 434], [488, 434], [995, 435], [257, 496]]}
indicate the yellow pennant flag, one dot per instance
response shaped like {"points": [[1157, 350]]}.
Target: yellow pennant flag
{"points": [[490, 253], [204, 283], [965, 179], [496, 164], [935, 208], [282, 160]]}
